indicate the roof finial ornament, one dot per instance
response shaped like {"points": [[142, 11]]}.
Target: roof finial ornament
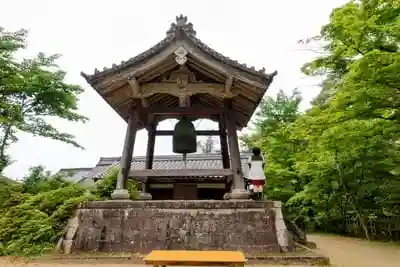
{"points": [[181, 53], [181, 20], [181, 24]]}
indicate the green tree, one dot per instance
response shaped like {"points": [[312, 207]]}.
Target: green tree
{"points": [[348, 166], [40, 180], [272, 132], [272, 114], [32, 90], [338, 162], [362, 59], [349, 173]]}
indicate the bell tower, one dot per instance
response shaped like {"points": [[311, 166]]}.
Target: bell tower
{"points": [[183, 78]]}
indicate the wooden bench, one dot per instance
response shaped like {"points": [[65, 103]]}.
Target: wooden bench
{"points": [[195, 258]]}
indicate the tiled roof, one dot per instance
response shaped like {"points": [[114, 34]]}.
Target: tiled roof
{"points": [[181, 25], [194, 161], [74, 174]]}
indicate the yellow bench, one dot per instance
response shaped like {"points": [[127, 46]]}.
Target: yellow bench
{"points": [[163, 258]]}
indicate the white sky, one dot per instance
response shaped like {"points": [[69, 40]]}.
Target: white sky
{"points": [[93, 34]]}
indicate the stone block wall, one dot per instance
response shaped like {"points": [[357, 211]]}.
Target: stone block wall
{"points": [[142, 226]]}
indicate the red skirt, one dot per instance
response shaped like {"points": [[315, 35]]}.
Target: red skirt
{"points": [[257, 182]]}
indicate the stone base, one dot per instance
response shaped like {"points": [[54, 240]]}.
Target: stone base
{"points": [[227, 196], [145, 196], [239, 194], [143, 226], [120, 194]]}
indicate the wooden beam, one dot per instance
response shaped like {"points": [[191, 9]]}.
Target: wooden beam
{"points": [[216, 89], [193, 110], [136, 91], [217, 179], [180, 173], [165, 181], [219, 67], [205, 71], [138, 71], [199, 133]]}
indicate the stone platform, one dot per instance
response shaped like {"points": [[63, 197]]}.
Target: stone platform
{"points": [[142, 226]]}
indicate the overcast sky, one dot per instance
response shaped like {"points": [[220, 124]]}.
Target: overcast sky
{"points": [[93, 34]]}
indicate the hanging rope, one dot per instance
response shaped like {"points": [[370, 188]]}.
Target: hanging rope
{"points": [[184, 156]]}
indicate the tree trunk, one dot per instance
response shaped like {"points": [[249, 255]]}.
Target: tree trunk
{"points": [[364, 226], [360, 219], [3, 146]]}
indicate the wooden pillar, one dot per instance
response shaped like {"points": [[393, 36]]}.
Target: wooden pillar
{"points": [[151, 140], [238, 189], [120, 191], [224, 143], [151, 135]]}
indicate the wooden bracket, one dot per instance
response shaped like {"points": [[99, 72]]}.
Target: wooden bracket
{"points": [[184, 100], [228, 87], [137, 91]]}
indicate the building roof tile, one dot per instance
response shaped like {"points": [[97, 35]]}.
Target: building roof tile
{"points": [[181, 25], [194, 161]]}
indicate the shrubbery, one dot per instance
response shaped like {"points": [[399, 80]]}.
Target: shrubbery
{"points": [[34, 213], [107, 185]]}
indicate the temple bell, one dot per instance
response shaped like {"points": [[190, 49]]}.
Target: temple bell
{"points": [[184, 139]]}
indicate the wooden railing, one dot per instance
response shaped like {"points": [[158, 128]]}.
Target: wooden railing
{"points": [[379, 227]]}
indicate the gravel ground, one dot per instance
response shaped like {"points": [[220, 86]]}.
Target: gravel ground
{"points": [[92, 264], [342, 251], [353, 252]]}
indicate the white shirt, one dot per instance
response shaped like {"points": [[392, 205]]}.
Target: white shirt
{"points": [[256, 171]]}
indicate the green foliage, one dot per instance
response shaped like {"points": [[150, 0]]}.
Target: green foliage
{"points": [[35, 212], [362, 60], [340, 159], [30, 91], [10, 192], [272, 114], [106, 186], [39, 180]]}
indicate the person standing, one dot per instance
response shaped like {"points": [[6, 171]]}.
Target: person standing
{"points": [[256, 173]]}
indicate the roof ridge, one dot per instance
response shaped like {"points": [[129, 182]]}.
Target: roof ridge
{"points": [[181, 24]]}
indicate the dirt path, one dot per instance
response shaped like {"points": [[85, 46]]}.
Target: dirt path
{"points": [[342, 251], [4, 263], [352, 252]]}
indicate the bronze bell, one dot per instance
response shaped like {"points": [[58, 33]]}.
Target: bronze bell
{"points": [[184, 139]]}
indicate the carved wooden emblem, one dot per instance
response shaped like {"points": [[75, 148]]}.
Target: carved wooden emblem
{"points": [[181, 53], [183, 83]]}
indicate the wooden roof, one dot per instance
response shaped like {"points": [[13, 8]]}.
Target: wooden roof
{"points": [[207, 70]]}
